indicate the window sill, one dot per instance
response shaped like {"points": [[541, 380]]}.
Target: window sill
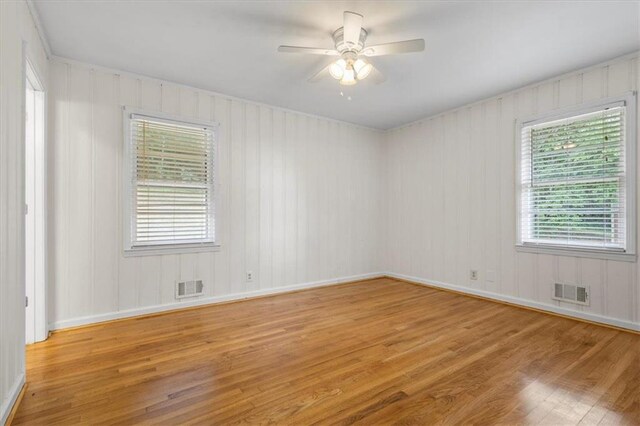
{"points": [[172, 249], [577, 252]]}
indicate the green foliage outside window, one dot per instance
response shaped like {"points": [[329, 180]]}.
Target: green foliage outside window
{"points": [[576, 179]]}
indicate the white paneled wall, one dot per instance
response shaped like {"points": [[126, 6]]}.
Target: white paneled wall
{"points": [[301, 198], [452, 207], [16, 28]]}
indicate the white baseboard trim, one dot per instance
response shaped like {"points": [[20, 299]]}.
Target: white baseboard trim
{"points": [[519, 301], [12, 397], [92, 319]]}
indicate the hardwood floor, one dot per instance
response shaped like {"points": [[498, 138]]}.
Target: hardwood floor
{"points": [[374, 352]]}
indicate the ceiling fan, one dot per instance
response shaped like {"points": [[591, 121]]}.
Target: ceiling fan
{"points": [[349, 40]]}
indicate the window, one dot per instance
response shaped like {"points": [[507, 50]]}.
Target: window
{"points": [[169, 184], [577, 173]]}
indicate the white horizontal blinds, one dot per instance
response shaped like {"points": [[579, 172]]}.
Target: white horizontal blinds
{"points": [[573, 181], [172, 182]]}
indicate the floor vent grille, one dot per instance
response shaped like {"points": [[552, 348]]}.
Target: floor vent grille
{"points": [[571, 293], [189, 289]]}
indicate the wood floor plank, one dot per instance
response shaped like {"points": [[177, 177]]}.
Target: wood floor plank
{"points": [[374, 352]]}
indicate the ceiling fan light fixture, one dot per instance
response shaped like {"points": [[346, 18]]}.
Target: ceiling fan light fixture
{"points": [[349, 78], [349, 46], [362, 69], [337, 69]]}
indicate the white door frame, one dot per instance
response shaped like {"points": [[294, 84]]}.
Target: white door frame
{"points": [[35, 167]]}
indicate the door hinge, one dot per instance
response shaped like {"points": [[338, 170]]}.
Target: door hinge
{"points": [[26, 209], [26, 302]]}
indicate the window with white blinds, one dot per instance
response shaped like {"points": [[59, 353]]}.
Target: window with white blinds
{"points": [[170, 183], [574, 181]]}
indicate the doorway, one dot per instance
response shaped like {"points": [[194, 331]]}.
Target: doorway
{"points": [[35, 208]]}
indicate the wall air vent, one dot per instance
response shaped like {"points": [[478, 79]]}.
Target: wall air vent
{"points": [[571, 293], [189, 289]]}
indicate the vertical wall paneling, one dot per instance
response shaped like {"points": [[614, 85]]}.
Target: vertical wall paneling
{"points": [[301, 171], [130, 94], [252, 197], [324, 186], [221, 115], [290, 199], [507, 222], [278, 198], [265, 180], [105, 176], [476, 207], [204, 262], [19, 40], [483, 138], [295, 196], [80, 212]]}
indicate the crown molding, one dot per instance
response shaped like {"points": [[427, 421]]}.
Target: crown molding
{"points": [[39, 28]]}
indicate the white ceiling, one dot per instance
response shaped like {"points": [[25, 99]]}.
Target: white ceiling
{"points": [[473, 49]]}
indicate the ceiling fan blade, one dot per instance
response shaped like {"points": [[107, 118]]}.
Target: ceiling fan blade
{"points": [[319, 75], [352, 27], [308, 50], [406, 46]]}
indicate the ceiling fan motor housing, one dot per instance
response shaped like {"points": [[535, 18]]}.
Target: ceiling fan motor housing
{"points": [[342, 46]]}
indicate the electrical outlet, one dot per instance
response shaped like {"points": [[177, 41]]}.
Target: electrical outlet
{"points": [[473, 274], [249, 276]]}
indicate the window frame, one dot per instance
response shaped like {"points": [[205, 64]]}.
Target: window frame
{"points": [[628, 100], [127, 173]]}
